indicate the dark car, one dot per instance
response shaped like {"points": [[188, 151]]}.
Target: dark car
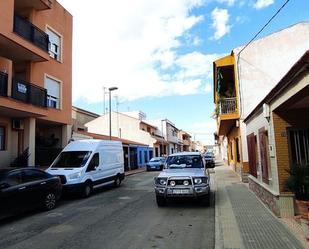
{"points": [[156, 163], [210, 160], [27, 188]]}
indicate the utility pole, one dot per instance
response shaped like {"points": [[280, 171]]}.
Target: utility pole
{"points": [[104, 92]]}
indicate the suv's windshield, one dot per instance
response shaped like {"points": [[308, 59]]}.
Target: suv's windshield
{"points": [[184, 161], [71, 159]]}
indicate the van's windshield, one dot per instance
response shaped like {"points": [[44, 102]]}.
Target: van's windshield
{"points": [[71, 159]]}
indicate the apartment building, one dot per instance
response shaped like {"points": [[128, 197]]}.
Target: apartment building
{"points": [[243, 78], [35, 79], [170, 134], [184, 139]]}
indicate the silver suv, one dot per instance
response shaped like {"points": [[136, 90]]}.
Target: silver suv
{"points": [[185, 175]]}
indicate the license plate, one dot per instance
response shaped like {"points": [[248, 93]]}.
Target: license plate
{"points": [[181, 191], [153, 167]]}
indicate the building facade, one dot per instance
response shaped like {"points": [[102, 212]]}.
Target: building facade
{"points": [[243, 78], [278, 138], [130, 128], [35, 79]]}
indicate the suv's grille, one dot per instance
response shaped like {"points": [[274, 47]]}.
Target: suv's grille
{"points": [[179, 182], [62, 179]]}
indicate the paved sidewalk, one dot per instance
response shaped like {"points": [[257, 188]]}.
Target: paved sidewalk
{"points": [[242, 221]]}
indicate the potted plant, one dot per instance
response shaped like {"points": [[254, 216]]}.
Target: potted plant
{"points": [[298, 183]]}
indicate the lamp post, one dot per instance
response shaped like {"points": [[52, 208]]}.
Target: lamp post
{"points": [[110, 111]]}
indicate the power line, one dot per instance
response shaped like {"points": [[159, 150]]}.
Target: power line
{"points": [[264, 26]]}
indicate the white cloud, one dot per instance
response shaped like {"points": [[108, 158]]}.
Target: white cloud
{"points": [[121, 46], [208, 88], [196, 64], [259, 4], [228, 2], [220, 19]]}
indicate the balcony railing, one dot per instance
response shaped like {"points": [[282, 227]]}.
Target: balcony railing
{"points": [[29, 93], [30, 32], [3, 84], [228, 105]]}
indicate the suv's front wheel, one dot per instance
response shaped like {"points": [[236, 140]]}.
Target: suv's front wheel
{"points": [[161, 201]]}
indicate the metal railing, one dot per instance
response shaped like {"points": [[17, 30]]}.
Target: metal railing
{"points": [[30, 32], [29, 93], [3, 84], [228, 105]]}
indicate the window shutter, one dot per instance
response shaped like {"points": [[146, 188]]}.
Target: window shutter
{"points": [[53, 87], [251, 143], [263, 154]]}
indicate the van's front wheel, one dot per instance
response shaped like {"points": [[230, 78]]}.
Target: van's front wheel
{"points": [[117, 181], [86, 190]]}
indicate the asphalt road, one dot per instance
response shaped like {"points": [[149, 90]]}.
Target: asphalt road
{"points": [[126, 217]]}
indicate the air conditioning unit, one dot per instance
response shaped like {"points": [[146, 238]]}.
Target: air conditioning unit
{"points": [[17, 124]]}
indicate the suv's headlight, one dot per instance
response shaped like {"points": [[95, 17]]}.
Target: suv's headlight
{"points": [[161, 181], [75, 176], [200, 180]]}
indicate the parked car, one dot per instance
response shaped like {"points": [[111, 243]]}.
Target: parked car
{"points": [[185, 175], [87, 164], [23, 189], [210, 160], [155, 163]]}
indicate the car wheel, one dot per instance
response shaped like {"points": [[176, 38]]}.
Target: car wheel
{"points": [[117, 181], [50, 201], [205, 200], [87, 189], [161, 201]]}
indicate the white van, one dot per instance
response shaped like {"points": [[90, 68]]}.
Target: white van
{"points": [[86, 164]]}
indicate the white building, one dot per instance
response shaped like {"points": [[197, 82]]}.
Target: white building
{"points": [[243, 78]]}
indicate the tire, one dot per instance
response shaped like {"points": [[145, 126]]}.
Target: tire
{"points": [[50, 201], [87, 190], [205, 200], [117, 181], [161, 201]]}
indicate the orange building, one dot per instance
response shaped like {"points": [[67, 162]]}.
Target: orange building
{"points": [[35, 79]]}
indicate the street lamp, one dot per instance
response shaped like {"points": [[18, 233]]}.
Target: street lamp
{"points": [[110, 111]]}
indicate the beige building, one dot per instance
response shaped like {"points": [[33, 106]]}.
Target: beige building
{"points": [[35, 79], [278, 137]]}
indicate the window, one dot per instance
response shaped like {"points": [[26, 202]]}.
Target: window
{"points": [[53, 92], [95, 161], [2, 138], [33, 175], [231, 151], [237, 150], [71, 159], [263, 141], [252, 148], [14, 179], [54, 44]]}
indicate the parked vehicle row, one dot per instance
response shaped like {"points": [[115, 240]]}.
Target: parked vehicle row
{"points": [[81, 167], [155, 163]]}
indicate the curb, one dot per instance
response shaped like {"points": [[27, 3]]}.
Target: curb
{"points": [[133, 172]]}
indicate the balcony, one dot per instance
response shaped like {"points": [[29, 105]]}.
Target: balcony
{"points": [[29, 93], [36, 4], [31, 33], [228, 106], [3, 84]]}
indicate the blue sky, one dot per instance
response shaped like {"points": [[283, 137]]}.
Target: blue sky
{"points": [[159, 53]]}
